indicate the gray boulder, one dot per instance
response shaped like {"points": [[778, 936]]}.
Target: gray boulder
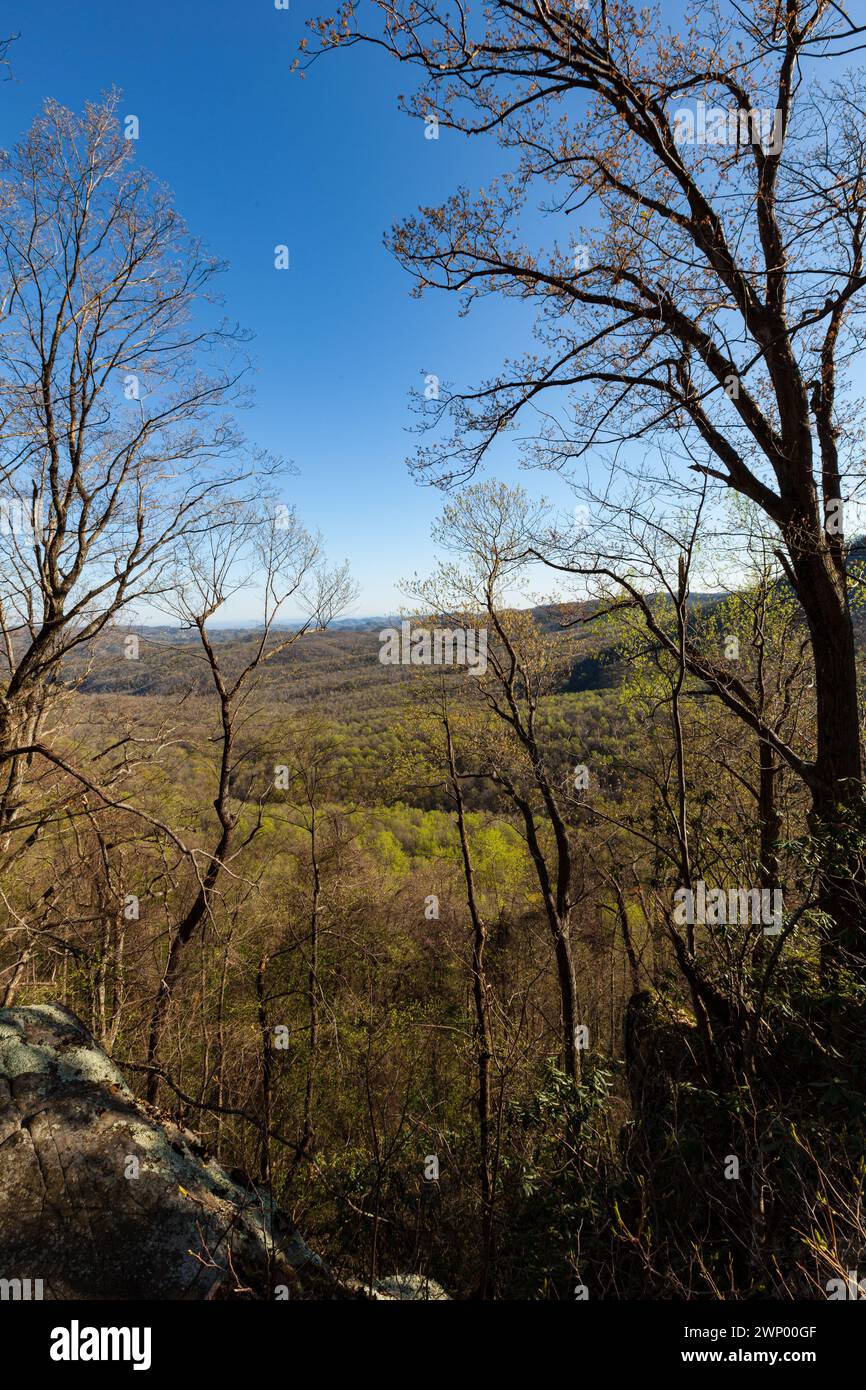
{"points": [[102, 1197], [412, 1288]]}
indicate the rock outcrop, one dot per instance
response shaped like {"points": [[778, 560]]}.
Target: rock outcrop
{"points": [[101, 1197]]}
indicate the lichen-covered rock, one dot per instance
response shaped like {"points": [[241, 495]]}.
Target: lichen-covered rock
{"points": [[400, 1288], [411, 1287], [661, 1053], [100, 1197]]}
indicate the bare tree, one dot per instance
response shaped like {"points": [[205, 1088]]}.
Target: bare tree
{"points": [[715, 297], [481, 1003], [286, 559], [114, 440], [489, 529], [5, 47]]}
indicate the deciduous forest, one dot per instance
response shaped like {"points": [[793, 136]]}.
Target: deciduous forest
{"points": [[539, 975]]}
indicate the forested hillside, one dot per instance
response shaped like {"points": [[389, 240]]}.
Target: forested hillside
{"points": [[323, 1033], [517, 941]]}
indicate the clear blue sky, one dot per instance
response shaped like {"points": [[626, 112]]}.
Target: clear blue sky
{"points": [[257, 157], [326, 164]]}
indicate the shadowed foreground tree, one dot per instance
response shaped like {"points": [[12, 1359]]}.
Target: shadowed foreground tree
{"points": [[714, 299]]}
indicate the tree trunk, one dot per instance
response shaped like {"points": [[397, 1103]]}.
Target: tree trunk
{"points": [[483, 1031], [837, 782], [768, 815], [267, 1072]]}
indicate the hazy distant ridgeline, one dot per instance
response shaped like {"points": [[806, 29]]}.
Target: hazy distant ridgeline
{"points": [[341, 662]]}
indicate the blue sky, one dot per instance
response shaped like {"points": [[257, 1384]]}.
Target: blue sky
{"points": [[256, 157]]}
